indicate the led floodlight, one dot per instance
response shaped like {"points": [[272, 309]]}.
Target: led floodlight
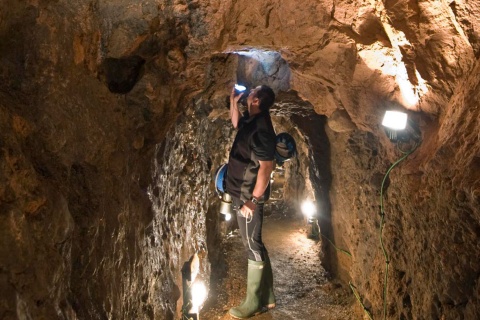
{"points": [[194, 292], [199, 293], [399, 128], [308, 209], [395, 120]]}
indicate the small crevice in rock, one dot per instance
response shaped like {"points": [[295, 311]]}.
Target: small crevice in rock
{"points": [[121, 74]]}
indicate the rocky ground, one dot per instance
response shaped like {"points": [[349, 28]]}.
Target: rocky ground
{"points": [[302, 287]]}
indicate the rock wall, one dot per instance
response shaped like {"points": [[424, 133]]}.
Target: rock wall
{"points": [[86, 97], [89, 91], [431, 224]]}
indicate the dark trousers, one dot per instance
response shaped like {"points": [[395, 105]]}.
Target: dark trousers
{"points": [[251, 231]]}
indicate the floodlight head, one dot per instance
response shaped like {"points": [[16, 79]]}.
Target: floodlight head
{"points": [[399, 128], [194, 292], [395, 120], [308, 209], [199, 293]]}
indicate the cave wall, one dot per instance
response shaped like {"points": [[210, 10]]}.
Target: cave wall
{"points": [[77, 158], [431, 224], [89, 91]]}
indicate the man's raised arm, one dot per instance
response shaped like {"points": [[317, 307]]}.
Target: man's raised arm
{"points": [[234, 112]]}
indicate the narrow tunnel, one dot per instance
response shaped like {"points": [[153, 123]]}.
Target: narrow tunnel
{"points": [[199, 143], [114, 118]]}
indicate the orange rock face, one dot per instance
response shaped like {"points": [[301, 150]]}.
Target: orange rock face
{"points": [[113, 119]]}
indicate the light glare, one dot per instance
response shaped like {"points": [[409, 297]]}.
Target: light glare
{"points": [[239, 87], [308, 209], [395, 120], [199, 293], [228, 216]]}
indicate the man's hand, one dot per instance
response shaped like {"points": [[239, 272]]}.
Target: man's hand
{"points": [[234, 112], [247, 209], [234, 98]]}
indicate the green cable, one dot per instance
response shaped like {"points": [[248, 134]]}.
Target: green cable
{"points": [[382, 224], [355, 293], [338, 249]]}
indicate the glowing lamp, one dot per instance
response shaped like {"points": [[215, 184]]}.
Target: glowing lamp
{"points": [[239, 88], [399, 128], [308, 209], [199, 293], [194, 292], [395, 120]]}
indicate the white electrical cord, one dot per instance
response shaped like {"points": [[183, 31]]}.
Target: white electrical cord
{"points": [[255, 253]]}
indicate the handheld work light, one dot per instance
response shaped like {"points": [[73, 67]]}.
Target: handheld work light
{"points": [[239, 88], [226, 208]]}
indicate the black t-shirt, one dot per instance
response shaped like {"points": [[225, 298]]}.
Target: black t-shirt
{"points": [[254, 142]]}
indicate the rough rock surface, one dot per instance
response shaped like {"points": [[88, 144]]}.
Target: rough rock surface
{"points": [[113, 119]]}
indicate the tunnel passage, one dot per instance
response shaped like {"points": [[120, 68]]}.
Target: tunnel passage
{"points": [[186, 216], [307, 176], [79, 239]]}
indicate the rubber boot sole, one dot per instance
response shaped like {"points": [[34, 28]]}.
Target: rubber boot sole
{"points": [[262, 310], [270, 306]]}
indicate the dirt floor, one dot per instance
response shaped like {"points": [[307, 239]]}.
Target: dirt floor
{"points": [[302, 287]]}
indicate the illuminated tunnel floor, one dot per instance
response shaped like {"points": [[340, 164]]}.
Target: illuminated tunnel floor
{"points": [[302, 288]]}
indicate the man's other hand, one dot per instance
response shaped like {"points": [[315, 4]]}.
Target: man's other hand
{"points": [[247, 209]]}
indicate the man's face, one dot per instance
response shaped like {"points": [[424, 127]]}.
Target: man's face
{"points": [[252, 97]]}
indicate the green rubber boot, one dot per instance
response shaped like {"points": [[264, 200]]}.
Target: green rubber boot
{"points": [[252, 303], [268, 297]]}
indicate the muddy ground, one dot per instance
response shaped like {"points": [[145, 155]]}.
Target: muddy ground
{"points": [[303, 288]]}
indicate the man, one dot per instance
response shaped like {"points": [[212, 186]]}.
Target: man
{"points": [[249, 167]]}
